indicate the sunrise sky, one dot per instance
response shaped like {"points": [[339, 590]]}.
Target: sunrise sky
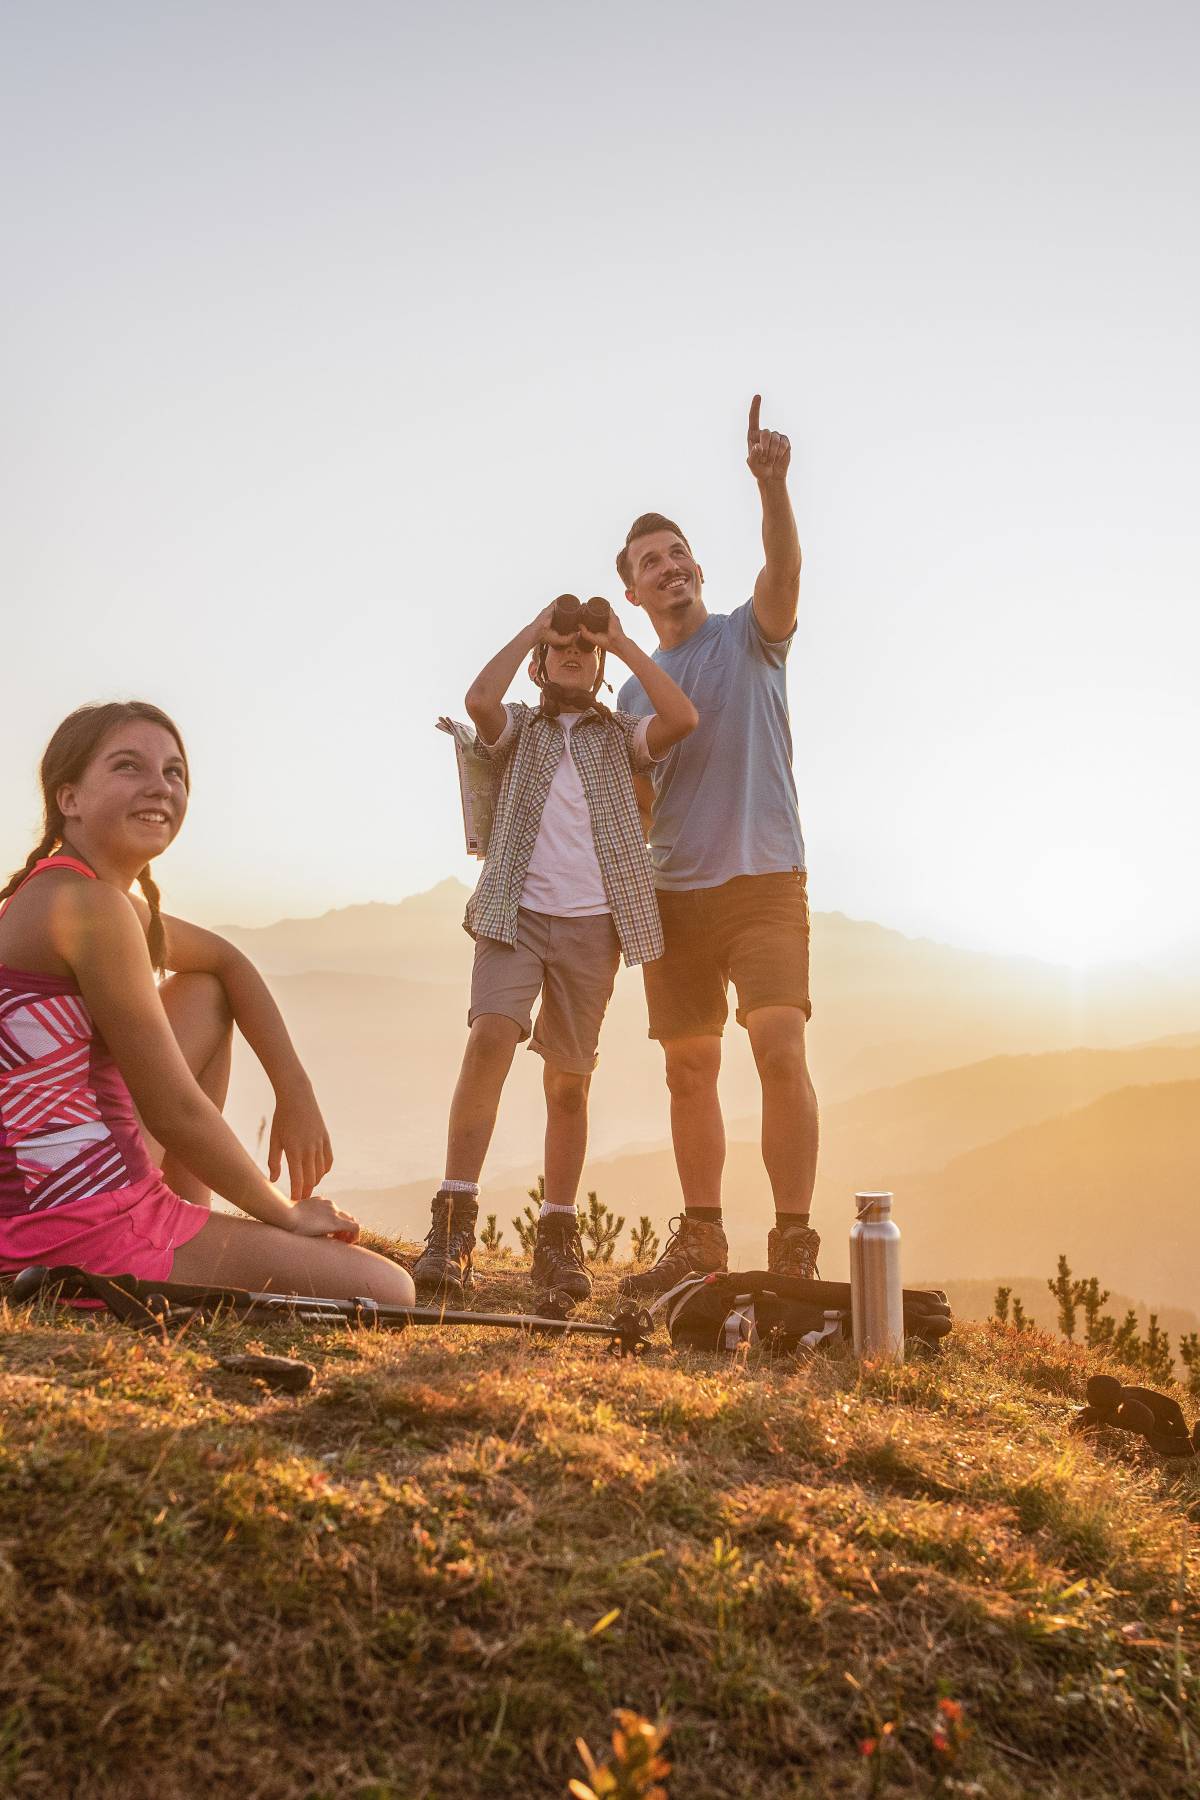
{"points": [[336, 340]]}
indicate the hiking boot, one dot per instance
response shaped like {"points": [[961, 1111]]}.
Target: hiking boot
{"points": [[695, 1247], [443, 1269], [558, 1258], [793, 1250]]}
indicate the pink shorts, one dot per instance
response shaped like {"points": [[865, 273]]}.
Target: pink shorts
{"points": [[130, 1231]]}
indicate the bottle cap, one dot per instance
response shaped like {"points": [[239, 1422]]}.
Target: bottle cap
{"points": [[876, 1203]]}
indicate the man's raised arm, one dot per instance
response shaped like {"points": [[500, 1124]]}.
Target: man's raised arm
{"points": [[777, 590]]}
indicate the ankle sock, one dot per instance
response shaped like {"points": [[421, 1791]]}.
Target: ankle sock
{"points": [[784, 1219], [548, 1211], [704, 1215], [470, 1188]]}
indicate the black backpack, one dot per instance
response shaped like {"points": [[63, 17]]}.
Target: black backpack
{"points": [[780, 1313]]}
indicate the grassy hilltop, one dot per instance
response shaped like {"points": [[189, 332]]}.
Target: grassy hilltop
{"points": [[458, 1552]]}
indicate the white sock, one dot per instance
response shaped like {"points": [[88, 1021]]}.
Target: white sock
{"points": [[459, 1187], [548, 1211]]}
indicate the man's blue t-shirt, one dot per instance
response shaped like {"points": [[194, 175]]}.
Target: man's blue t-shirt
{"points": [[725, 798]]}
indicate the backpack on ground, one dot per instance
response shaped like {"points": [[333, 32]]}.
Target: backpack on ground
{"points": [[780, 1313]]}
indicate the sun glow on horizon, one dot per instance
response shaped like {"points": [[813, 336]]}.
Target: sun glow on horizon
{"points": [[1081, 909]]}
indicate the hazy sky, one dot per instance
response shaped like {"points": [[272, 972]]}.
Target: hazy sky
{"points": [[335, 340]]}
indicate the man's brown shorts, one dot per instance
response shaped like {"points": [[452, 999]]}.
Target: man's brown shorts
{"points": [[752, 931]]}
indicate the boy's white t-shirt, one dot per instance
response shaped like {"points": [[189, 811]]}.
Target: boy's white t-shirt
{"points": [[563, 877]]}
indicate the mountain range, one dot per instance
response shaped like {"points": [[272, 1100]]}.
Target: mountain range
{"points": [[1004, 1100]]}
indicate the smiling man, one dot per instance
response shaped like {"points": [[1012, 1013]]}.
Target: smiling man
{"points": [[728, 858]]}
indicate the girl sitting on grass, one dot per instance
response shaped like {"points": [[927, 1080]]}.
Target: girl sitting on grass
{"points": [[106, 1074]]}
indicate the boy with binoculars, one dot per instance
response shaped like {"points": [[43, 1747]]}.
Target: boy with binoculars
{"points": [[566, 891]]}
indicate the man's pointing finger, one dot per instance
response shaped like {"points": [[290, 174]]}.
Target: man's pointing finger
{"points": [[752, 433]]}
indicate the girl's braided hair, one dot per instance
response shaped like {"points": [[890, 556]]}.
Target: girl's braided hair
{"points": [[66, 756]]}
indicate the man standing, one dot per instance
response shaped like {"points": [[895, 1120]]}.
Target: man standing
{"points": [[728, 860]]}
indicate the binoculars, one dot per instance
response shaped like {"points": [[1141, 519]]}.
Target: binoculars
{"points": [[570, 612]]}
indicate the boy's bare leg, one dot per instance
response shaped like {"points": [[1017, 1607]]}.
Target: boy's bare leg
{"points": [[557, 1264], [486, 1061], [566, 1133]]}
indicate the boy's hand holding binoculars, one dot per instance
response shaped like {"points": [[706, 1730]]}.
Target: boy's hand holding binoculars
{"points": [[592, 622], [612, 638], [543, 630]]}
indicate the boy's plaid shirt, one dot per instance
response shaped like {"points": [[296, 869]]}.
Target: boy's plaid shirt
{"points": [[605, 753]]}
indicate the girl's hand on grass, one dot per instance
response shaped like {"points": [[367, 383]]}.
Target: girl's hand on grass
{"points": [[317, 1217], [299, 1137]]}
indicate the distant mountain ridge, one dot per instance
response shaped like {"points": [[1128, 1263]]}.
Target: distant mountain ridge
{"points": [[922, 1055], [887, 1007], [1111, 1184]]}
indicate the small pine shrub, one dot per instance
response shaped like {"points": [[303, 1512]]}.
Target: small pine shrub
{"points": [[489, 1237], [525, 1225], [1151, 1354], [1156, 1353], [1063, 1289], [643, 1241], [600, 1228], [1091, 1298], [1000, 1304], [1126, 1340], [1189, 1356], [1020, 1317]]}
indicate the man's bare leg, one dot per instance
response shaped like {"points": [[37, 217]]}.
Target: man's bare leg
{"points": [[698, 1134], [790, 1124], [697, 1128]]}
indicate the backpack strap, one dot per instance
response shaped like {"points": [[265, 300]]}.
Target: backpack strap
{"points": [[668, 1304]]}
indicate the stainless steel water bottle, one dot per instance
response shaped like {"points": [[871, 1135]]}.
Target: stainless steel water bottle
{"points": [[876, 1293]]}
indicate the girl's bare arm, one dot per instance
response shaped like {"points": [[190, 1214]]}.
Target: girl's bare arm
{"points": [[298, 1131], [98, 935]]}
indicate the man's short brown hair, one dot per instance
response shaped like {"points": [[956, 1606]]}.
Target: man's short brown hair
{"points": [[642, 527]]}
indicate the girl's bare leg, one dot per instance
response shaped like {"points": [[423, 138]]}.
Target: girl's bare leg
{"points": [[245, 1253], [240, 1252], [199, 1016]]}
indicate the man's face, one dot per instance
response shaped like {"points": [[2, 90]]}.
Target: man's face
{"points": [[666, 578], [574, 666]]}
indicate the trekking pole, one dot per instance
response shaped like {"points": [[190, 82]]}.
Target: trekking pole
{"points": [[157, 1305]]}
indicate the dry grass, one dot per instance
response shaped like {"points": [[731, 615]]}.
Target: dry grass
{"points": [[458, 1552]]}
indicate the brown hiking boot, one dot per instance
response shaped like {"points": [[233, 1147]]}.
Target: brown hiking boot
{"points": [[443, 1269], [694, 1247], [558, 1258], [793, 1250]]}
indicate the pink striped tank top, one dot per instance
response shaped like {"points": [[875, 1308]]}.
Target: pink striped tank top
{"points": [[67, 1123]]}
